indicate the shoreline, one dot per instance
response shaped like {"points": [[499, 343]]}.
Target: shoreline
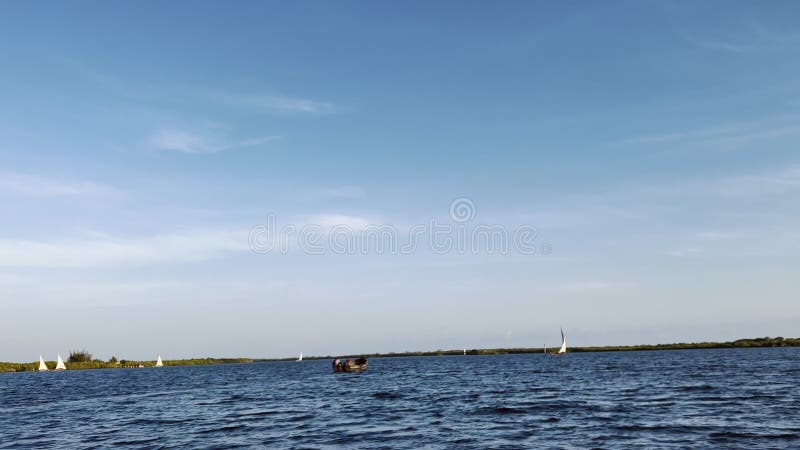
{"points": [[6, 367], [765, 342]]}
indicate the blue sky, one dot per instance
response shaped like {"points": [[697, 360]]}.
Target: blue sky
{"points": [[653, 145]]}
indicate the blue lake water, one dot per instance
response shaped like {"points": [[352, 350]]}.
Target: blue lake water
{"points": [[740, 398]]}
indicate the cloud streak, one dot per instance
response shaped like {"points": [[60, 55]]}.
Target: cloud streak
{"points": [[349, 192], [261, 102], [197, 143], [328, 221], [273, 103], [119, 251], [753, 38], [724, 134], [686, 252], [721, 45], [775, 182], [39, 186]]}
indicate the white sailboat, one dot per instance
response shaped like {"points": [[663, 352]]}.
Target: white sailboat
{"points": [[561, 351], [159, 363], [60, 365], [42, 365], [300, 358], [563, 348]]}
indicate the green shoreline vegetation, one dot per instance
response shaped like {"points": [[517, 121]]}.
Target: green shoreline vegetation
{"points": [[121, 364], [81, 360], [765, 342]]}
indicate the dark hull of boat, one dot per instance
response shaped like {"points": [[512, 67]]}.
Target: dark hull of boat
{"points": [[350, 367]]}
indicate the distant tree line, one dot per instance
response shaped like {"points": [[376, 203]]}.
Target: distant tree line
{"points": [[79, 356], [82, 360], [741, 343]]}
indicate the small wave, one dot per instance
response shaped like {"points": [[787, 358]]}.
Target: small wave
{"points": [[651, 428], [299, 418], [256, 414], [224, 429], [464, 441], [387, 395], [501, 410], [146, 421], [236, 398], [134, 442], [697, 388], [736, 435]]}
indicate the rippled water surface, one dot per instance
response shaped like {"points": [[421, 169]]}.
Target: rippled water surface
{"points": [[740, 398]]}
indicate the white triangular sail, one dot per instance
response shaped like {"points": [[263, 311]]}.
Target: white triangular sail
{"points": [[563, 348], [60, 365], [42, 365], [300, 358], [159, 363]]}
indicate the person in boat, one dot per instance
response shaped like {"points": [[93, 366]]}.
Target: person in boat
{"points": [[361, 361]]}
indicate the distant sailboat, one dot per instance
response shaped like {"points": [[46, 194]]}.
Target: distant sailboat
{"points": [[561, 351], [159, 363], [300, 358], [42, 365], [60, 365], [465, 352]]}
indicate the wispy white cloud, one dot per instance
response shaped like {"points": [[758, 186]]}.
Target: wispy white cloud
{"points": [[101, 79], [685, 252], [716, 44], [718, 235], [261, 102], [120, 251], [733, 133], [194, 142], [778, 181], [706, 243], [769, 182], [39, 186], [341, 192], [135, 291], [750, 38], [328, 221], [273, 103], [693, 204]]}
